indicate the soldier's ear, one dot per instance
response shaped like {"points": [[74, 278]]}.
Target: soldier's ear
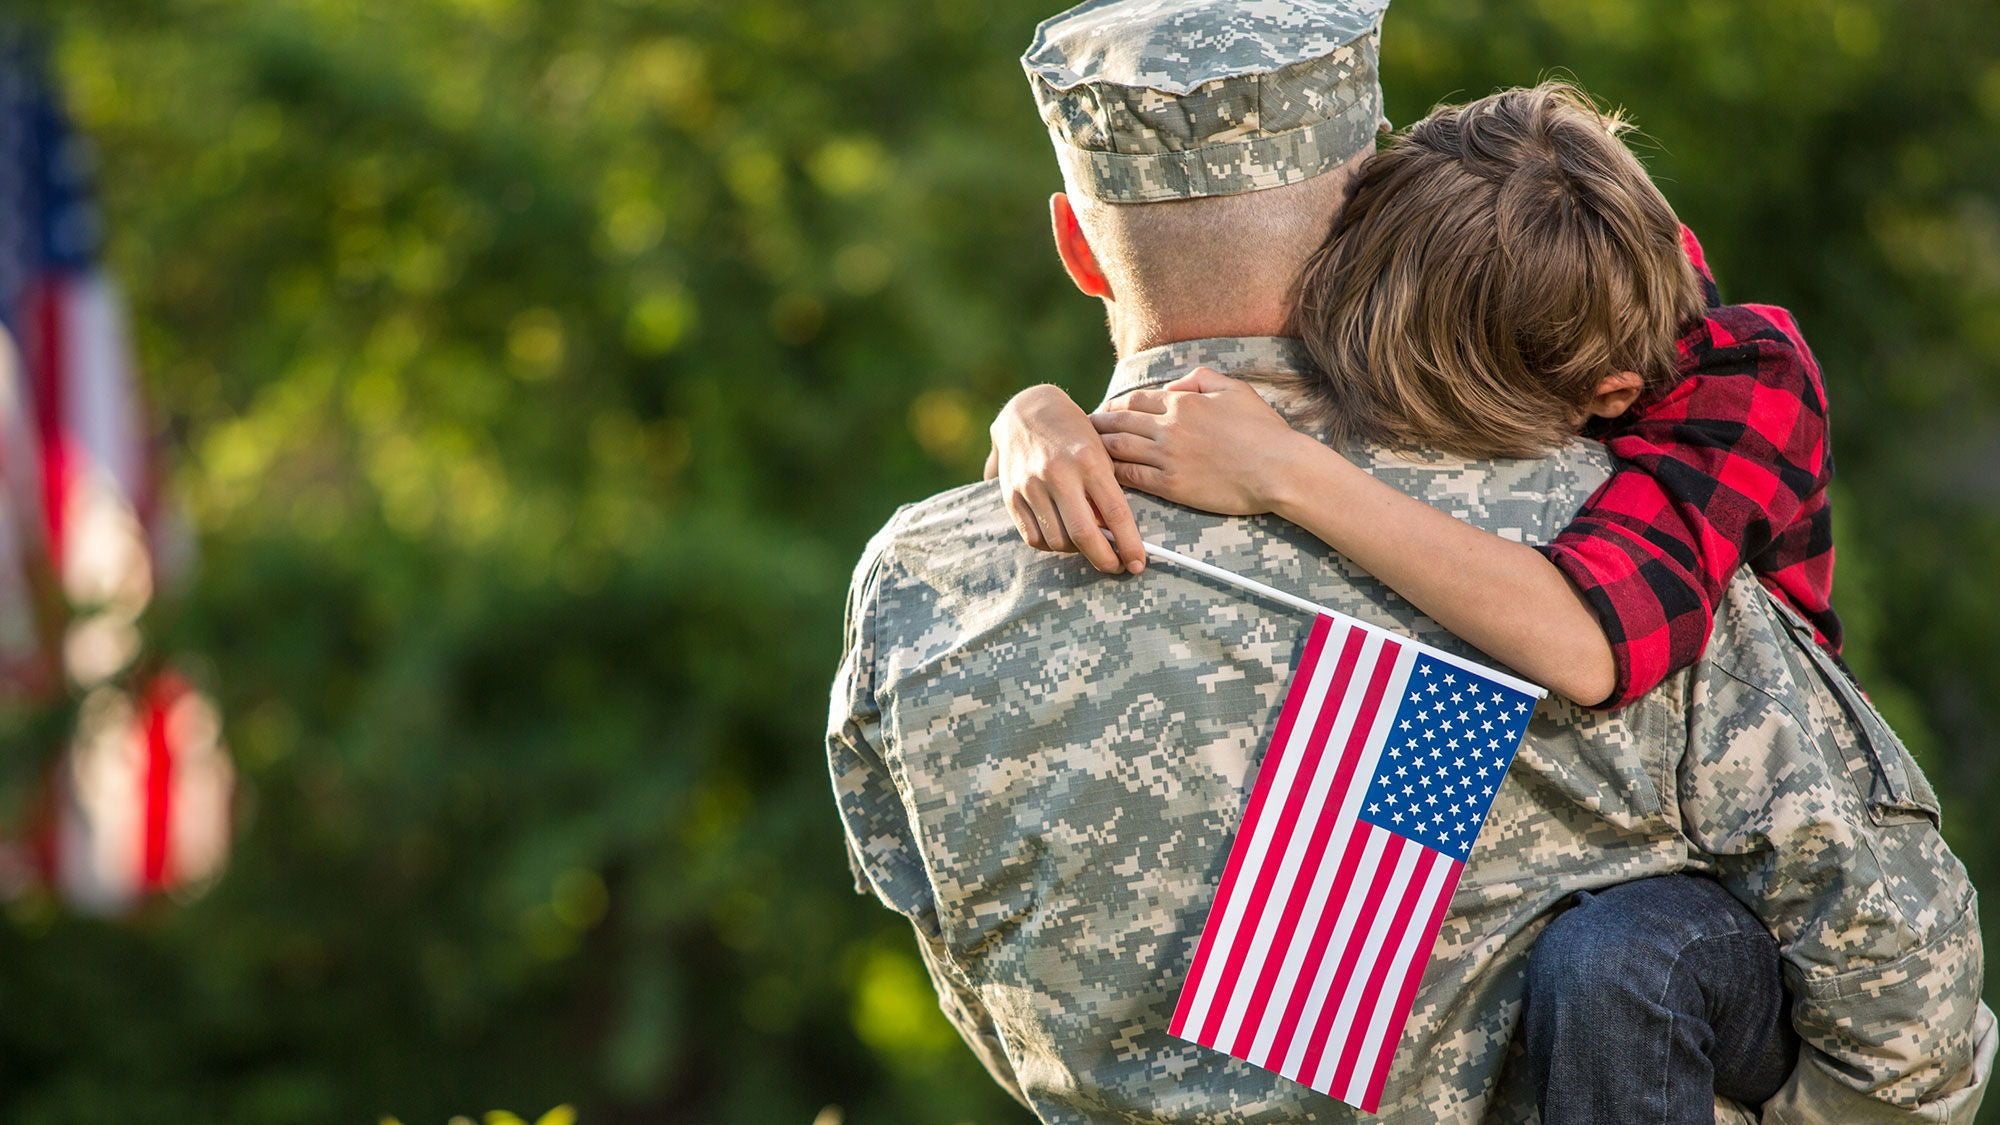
{"points": [[1074, 249]]}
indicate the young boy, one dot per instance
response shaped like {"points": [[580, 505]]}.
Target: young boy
{"points": [[1433, 331]]}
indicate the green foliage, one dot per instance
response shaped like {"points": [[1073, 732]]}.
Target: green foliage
{"points": [[536, 371]]}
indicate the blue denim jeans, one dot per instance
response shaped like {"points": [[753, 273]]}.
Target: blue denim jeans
{"points": [[1647, 999]]}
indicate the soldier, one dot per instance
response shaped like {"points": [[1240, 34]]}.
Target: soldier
{"points": [[1042, 768]]}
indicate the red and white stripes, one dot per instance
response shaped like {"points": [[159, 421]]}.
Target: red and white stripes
{"points": [[138, 802], [1322, 924]]}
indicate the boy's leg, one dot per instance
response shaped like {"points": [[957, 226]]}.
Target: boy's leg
{"points": [[1647, 999]]}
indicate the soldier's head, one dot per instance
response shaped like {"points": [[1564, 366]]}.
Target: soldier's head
{"points": [[1205, 146]]}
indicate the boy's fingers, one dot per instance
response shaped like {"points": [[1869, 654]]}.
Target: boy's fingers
{"points": [[1116, 515], [1025, 522], [1145, 478], [1202, 380], [1152, 401], [1126, 422], [1132, 447], [1080, 522]]}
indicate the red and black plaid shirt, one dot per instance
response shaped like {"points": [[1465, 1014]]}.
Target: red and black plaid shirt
{"points": [[1728, 466]]}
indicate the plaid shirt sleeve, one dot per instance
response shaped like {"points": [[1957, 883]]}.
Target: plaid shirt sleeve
{"points": [[1728, 466]]}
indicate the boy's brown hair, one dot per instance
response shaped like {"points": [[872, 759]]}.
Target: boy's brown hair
{"points": [[1491, 265]]}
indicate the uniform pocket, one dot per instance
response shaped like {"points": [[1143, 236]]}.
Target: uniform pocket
{"points": [[1896, 789]]}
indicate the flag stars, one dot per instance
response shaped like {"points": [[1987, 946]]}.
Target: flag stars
{"points": [[1440, 768]]}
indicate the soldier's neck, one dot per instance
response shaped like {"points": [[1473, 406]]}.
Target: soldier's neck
{"points": [[1132, 334]]}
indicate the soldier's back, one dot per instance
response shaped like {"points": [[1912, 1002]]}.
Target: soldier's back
{"points": [[1073, 752]]}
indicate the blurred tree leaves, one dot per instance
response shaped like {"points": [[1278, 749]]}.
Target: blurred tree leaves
{"points": [[536, 371]]}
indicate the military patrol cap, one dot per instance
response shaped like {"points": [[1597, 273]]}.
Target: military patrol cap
{"points": [[1150, 100]]}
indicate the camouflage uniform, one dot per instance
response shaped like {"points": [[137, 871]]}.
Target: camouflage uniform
{"points": [[1041, 767]]}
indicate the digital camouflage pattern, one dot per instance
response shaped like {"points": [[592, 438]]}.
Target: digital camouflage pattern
{"points": [[1042, 767], [1149, 100]]}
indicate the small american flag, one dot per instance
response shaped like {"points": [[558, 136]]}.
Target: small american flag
{"points": [[1379, 773]]}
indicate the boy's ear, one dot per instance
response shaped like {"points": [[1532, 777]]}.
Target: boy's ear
{"points": [[1074, 249], [1614, 394]]}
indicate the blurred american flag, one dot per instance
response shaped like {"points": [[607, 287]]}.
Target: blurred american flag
{"points": [[138, 800]]}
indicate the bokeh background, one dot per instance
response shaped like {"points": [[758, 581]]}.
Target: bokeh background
{"points": [[533, 373]]}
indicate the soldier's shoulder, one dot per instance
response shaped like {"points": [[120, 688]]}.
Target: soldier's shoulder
{"points": [[956, 519], [957, 524], [1529, 499]]}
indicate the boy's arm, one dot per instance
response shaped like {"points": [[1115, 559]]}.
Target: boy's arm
{"points": [[1499, 596], [1714, 470], [1210, 442]]}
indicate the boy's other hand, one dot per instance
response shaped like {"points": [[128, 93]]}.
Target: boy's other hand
{"points": [[1204, 440], [1058, 482]]}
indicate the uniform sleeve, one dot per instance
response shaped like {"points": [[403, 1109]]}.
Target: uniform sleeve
{"points": [[1811, 811], [968, 1015], [881, 842], [1710, 472]]}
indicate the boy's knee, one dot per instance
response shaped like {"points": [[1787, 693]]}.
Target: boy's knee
{"points": [[1587, 950], [1630, 937]]}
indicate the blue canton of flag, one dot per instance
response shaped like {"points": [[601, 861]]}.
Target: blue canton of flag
{"points": [[1453, 736], [47, 223]]}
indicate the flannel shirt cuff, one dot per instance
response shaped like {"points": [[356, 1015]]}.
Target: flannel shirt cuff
{"points": [[1614, 571]]}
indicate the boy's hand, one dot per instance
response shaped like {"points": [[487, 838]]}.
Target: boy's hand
{"points": [[1204, 440], [1058, 481]]}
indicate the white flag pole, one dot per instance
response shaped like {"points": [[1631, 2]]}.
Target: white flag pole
{"points": [[1240, 582], [1230, 577]]}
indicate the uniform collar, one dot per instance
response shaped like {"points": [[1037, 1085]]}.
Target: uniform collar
{"points": [[1241, 356]]}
